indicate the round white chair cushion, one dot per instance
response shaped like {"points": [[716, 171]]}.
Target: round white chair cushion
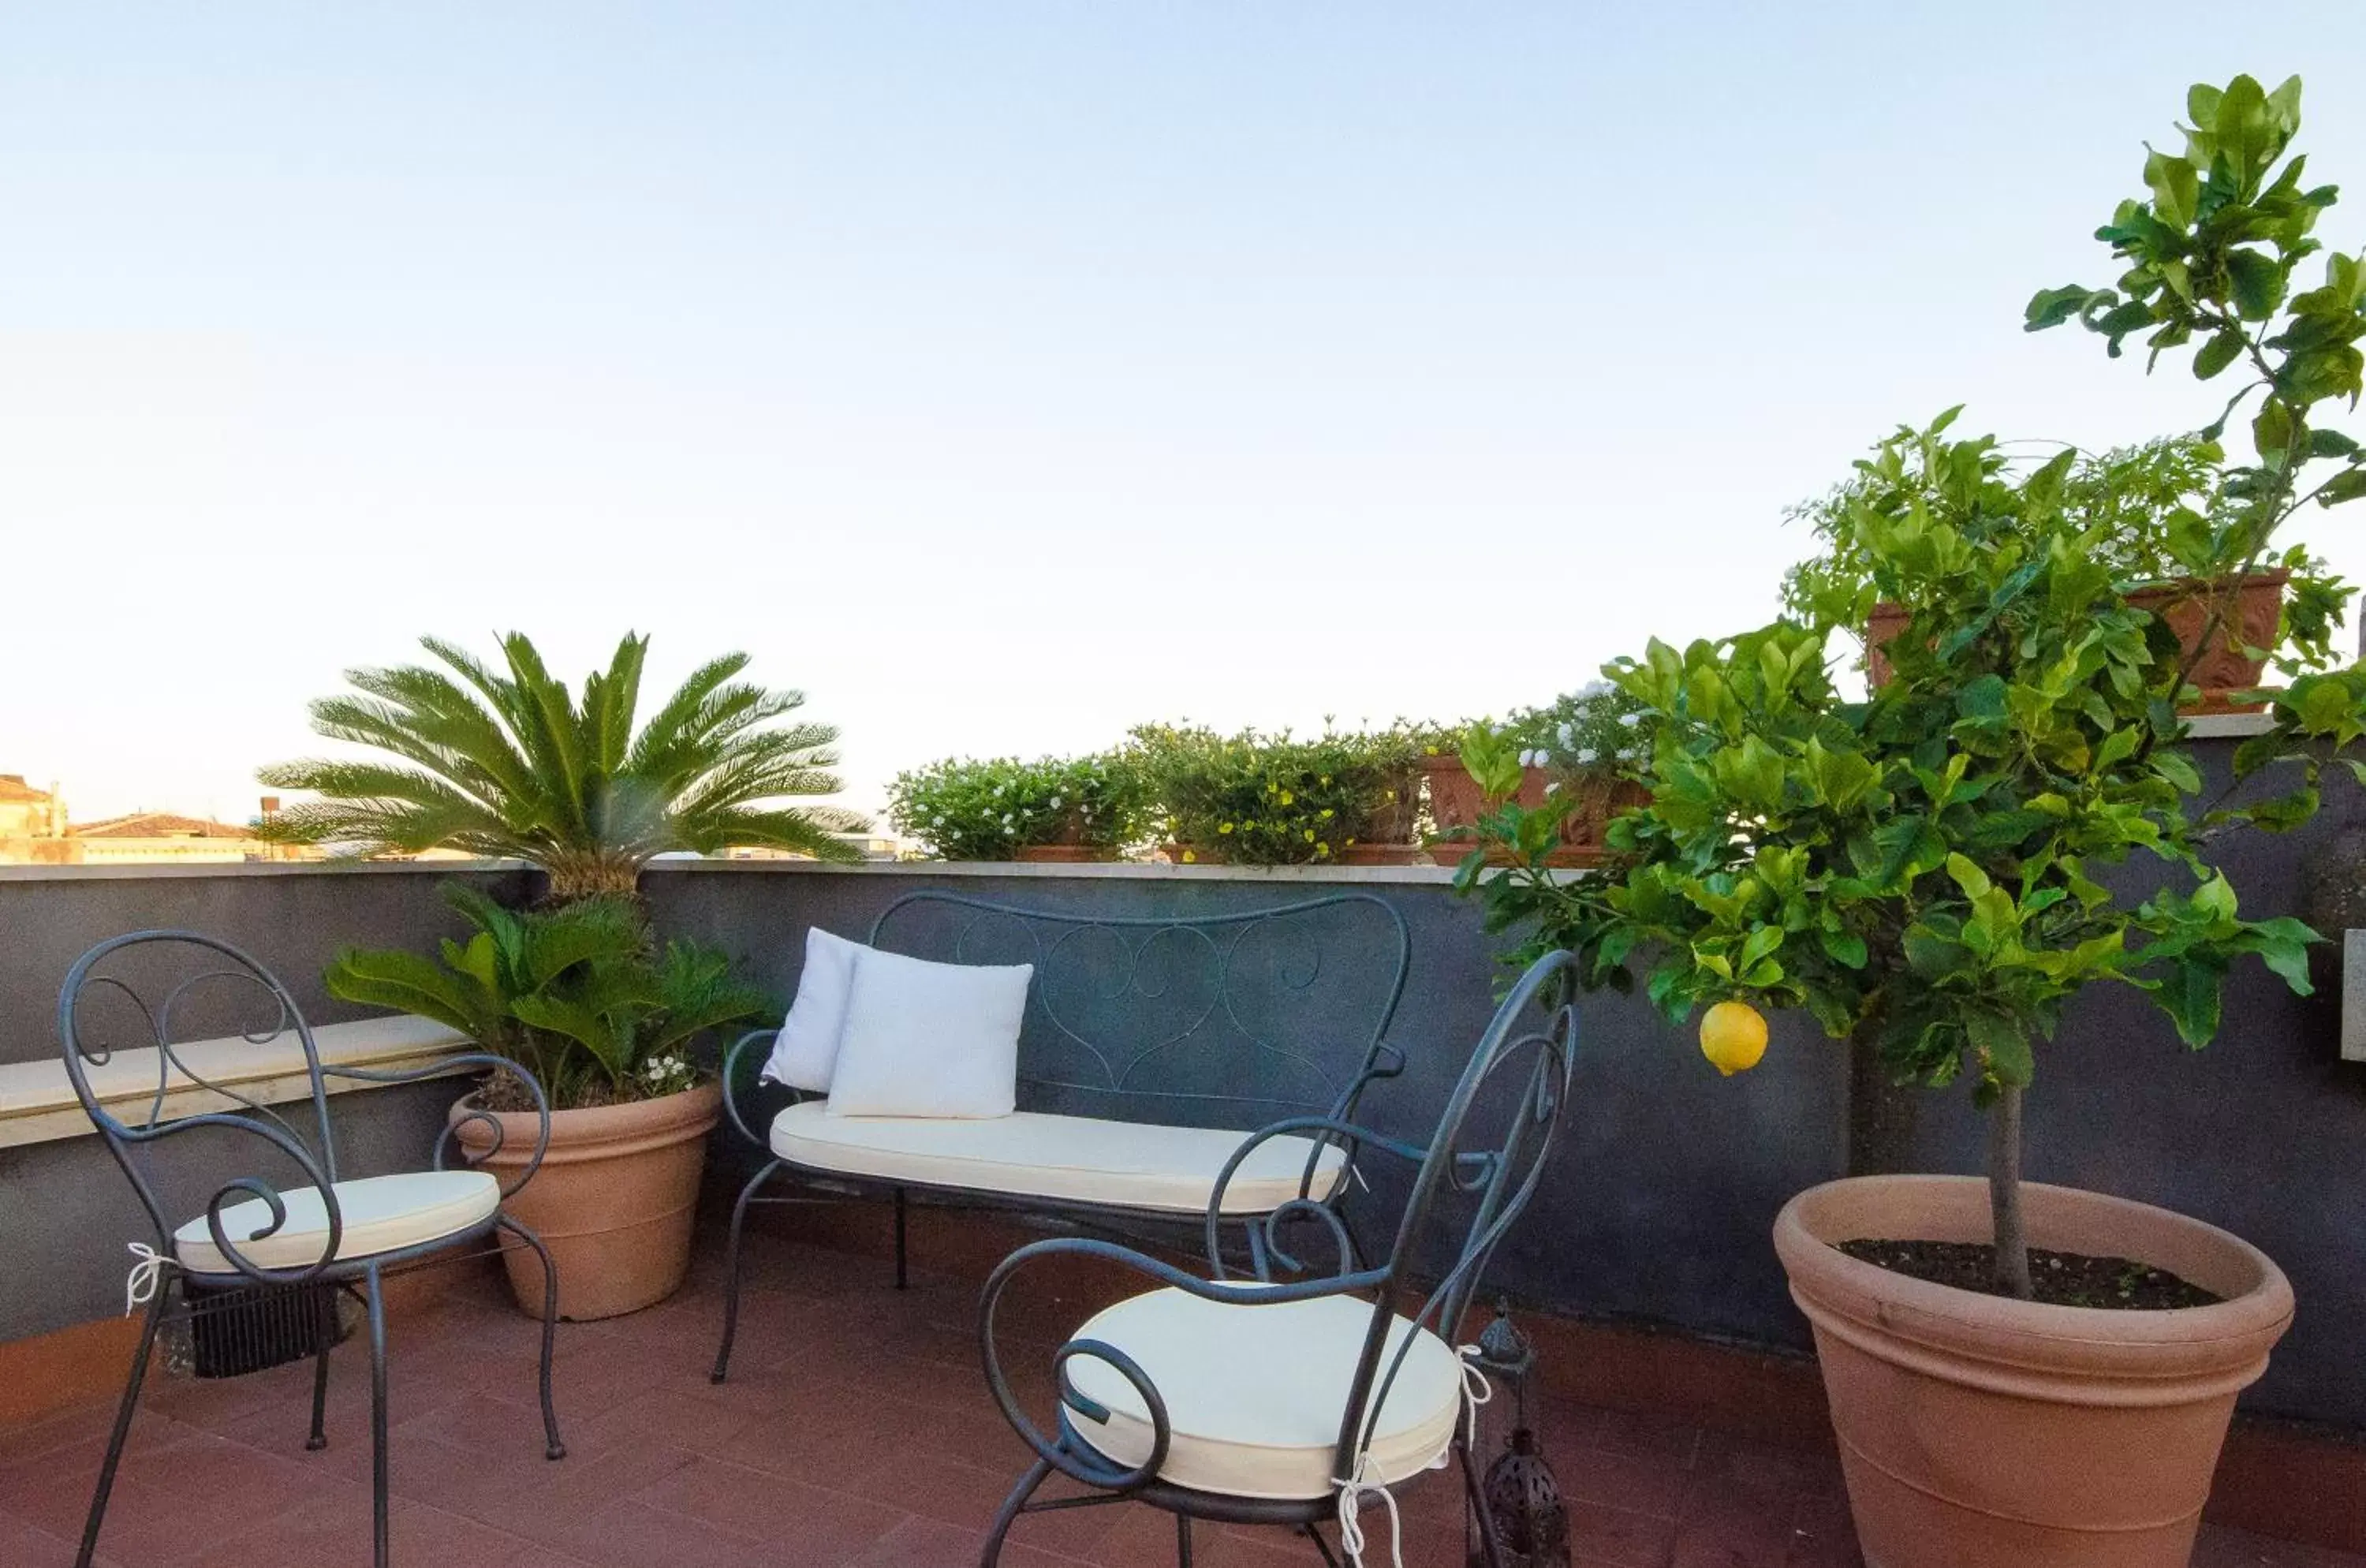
{"points": [[380, 1214], [1255, 1393]]}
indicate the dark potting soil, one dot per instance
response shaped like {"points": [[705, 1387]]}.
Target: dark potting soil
{"points": [[2060, 1279]]}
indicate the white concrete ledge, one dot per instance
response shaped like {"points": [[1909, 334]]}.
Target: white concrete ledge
{"points": [[2228, 726], [37, 1103], [1090, 871]]}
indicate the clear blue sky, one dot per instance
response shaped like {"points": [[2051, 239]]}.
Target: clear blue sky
{"points": [[1002, 374]]}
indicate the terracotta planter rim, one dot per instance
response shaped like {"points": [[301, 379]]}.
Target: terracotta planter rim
{"points": [[2158, 588], [591, 1131], [2231, 1337]]}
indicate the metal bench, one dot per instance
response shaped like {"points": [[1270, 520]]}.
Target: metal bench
{"points": [[1152, 1046]]}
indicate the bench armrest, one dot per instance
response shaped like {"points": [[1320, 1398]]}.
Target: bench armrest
{"points": [[1322, 1132], [1382, 1061], [731, 1107], [1065, 1460]]}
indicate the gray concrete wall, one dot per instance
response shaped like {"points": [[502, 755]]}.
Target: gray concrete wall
{"points": [[1668, 1178]]}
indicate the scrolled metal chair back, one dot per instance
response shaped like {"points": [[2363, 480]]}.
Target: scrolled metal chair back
{"points": [[1478, 1174], [161, 991]]}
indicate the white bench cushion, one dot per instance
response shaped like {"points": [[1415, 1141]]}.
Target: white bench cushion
{"points": [[1079, 1159], [380, 1214], [1254, 1394]]}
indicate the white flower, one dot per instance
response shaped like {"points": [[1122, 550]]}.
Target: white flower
{"points": [[1630, 719], [1056, 803], [1586, 756], [1595, 688], [1569, 735]]}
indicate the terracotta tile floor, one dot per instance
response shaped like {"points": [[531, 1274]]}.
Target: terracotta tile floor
{"points": [[856, 1430]]}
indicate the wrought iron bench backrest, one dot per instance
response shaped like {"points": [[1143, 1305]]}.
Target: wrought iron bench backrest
{"points": [[1220, 1019]]}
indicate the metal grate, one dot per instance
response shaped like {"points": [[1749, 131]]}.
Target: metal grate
{"points": [[228, 1333]]}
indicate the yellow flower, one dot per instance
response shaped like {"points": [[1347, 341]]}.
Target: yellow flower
{"points": [[1286, 798], [1351, 843], [1310, 835], [1326, 780], [1321, 850], [1325, 815], [1223, 827]]}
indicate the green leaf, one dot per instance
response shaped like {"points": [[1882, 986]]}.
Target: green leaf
{"points": [[1844, 948], [2189, 995], [2271, 429], [2348, 485], [2002, 1045], [2258, 283], [1967, 876], [2222, 350]]}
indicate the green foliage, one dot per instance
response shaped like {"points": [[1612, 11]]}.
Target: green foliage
{"points": [[2216, 255], [575, 993], [1927, 867], [2149, 512], [1261, 799], [986, 810], [509, 763]]}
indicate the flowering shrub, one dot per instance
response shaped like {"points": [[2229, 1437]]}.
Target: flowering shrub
{"points": [[1260, 799], [967, 810], [1598, 729]]}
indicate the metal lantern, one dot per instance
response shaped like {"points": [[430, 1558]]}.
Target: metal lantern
{"points": [[1523, 1499]]}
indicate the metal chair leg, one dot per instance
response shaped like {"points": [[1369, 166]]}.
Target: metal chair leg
{"points": [[1321, 1546], [1488, 1543], [900, 1279], [555, 1449], [1012, 1505], [731, 1271], [1183, 1540], [380, 1554], [122, 1432], [318, 1438]]}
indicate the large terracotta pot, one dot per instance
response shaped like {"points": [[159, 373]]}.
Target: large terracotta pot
{"points": [[2224, 668], [1978, 1431], [1456, 801], [614, 1200]]}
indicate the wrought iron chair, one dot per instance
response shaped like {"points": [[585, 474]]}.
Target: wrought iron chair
{"points": [[1220, 1019], [258, 1252], [1294, 1404]]}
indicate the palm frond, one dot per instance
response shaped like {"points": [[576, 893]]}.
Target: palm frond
{"points": [[500, 759]]}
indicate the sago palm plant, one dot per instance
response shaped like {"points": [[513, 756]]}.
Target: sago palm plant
{"points": [[509, 763]]}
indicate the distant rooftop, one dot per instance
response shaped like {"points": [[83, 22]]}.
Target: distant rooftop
{"points": [[156, 825]]}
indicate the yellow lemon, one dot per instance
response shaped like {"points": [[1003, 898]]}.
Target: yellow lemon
{"points": [[1733, 1036]]}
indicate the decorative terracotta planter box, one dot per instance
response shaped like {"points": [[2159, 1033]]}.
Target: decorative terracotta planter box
{"points": [[1456, 801], [2185, 605]]}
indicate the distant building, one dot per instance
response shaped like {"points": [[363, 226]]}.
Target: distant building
{"points": [[35, 830], [32, 823], [163, 836]]}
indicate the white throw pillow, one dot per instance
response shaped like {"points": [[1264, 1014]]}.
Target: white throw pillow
{"points": [[929, 1038], [806, 1048]]}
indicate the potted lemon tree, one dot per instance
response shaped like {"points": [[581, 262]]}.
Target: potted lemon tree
{"points": [[1935, 874]]}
